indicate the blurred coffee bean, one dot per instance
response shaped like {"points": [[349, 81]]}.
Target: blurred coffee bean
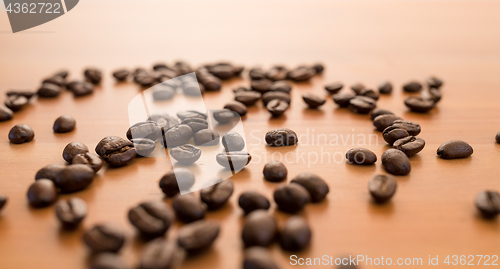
{"points": [[15, 103], [295, 235], [217, 195], [369, 93], [318, 67], [21, 133], [259, 229], [104, 237], [382, 187], [224, 116], [164, 121], [454, 149], [177, 136], [258, 258], [411, 127], [497, 137], [121, 74], [392, 133], [199, 235], [188, 208], [383, 121], [163, 93], [107, 261], [396, 162], [206, 137], [80, 88], [116, 151], [233, 141], [488, 203], [412, 86], [385, 87], [188, 114], [301, 73], [56, 80], [275, 171], [435, 95], [276, 73], [71, 212], [252, 200], [3, 201], [379, 111], [233, 160], [357, 88], [248, 98], [281, 86], [267, 97], [261, 86], [74, 178], [313, 101], [48, 90], [241, 89], [343, 99], [237, 107], [334, 87], [434, 82], [176, 180], [63, 73], [196, 124], [185, 154], [222, 70], [5, 113], [211, 83], [152, 218], [64, 124], [182, 68], [410, 145], [281, 137], [42, 193], [362, 104], [419, 104], [291, 198], [72, 149], [161, 254], [49, 172], [193, 88], [360, 156], [277, 107], [93, 75], [257, 73], [24, 93], [316, 186], [89, 159]]}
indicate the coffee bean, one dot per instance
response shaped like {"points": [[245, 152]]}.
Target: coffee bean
{"points": [[72, 149], [222, 71], [225, 115], [152, 218], [488, 203], [392, 133], [281, 86], [342, 99], [107, 261], [5, 113], [334, 87], [497, 137], [454, 149], [379, 111], [164, 121], [71, 212], [188, 208], [179, 179], [277, 73], [257, 73], [16, 103], [188, 114], [217, 195], [177, 136], [21, 133], [89, 159], [233, 160], [193, 88], [362, 104], [248, 98], [258, 258], [27, 94], [434, 82], [143, 146], [410, 145], [163, 92], [369, 93], [313, 101], [74, 178], [267, 97], [145, 80], [360, 156], [62, 73], [56, 80], [199, 235], [196, 124], [291, 198], [49, 172], [357, 87], [93, 75], [259, 229], [237, 107], [211, 83], [42, 193], [419, 104], [277, 107], [319, 68], [182, 68], [385, 87], [252, 200], [241, 89], [64, 124], [301, 73], [382, 187], [275, 171], [3, 201], [295, 235], [104, 237], [206, 137], [412, 86], [48, 90], [383, 121], [233, 141], [80, 88], [411, 127], [185, 154], [396, 162], [261, 86], [281, 137], [316, 186], [116, 151], [161, 253], [435, 95], [121, 74]]}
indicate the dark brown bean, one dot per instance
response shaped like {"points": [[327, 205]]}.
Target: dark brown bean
{"points": [[15, 103], [257, 73], [237, 107], [313, 101], [104, 237], [74, 178], [342, 99], [177, 180], [116, 151], [434, 82], [295, 235], [49, 172], [275, 171], [80, 88], [419, 104], [455, 149], [90, 159], [379, 111], [3, 201], [64, 124], [198, 235], [152, 218], [319, 68], [369, 93], [276, 73], [382, 187], [188, 208], [252, 200], [277, 107], [267, 97], [281, 137], [412, 86], [396, 162], [410, 145], [72, 149], [259, 229], [488, 203], [258, 258], [21, 133], [497, 137], [281, 86], [383, 121], [334, 87], [217, 195], [121, 74], [261, 86], [42, 193], [49, 90], [316, 186], [93, 75], [357, 87], [392, 133], [360, 156], [248, 98], [291, 198], [71, 212], [411, 127], [385, 87], [5, 113], [301, 73], [161, 254], [362, 104]]}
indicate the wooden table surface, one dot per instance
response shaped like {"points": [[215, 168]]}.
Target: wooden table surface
{"points": [[432, 212]]}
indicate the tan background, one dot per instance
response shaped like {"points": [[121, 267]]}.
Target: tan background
{"points": [[432, 212]]}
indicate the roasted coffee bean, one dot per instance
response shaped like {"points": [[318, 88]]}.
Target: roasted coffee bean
{"points": [[385, 87], [143, 146], [64, 124], [252, 200], [196, 124], [497, 137], [27, 94], [277, 73], [49, 172], [225, 115], [396, 162], [72, 149], [382, 187], [281, 137], [342, 99], [259, 229], [360, 156], [121, 75], [313, 101], [217, 195], [198, 235], [237, 70], [295, 235], [104, 237], [241, 89], [152, 218], [116, 151], [357, 88], [233, 160], [89, 159], [362, 104], [261, 86], [188, 114], [21, 133], [164, 121], [62, 73], [3, 201], [267, 97], [411, 127], [55, 80], [277, 107], [412, 86], [301, 73], [281, 86], [222, 71], [379, 111], [434, 82], [80, 88], [334, 88], [74, 178], [179, 179], [42, 193], [48, 90], [177, 136], [248, 98], [71, 212], [145, 80], [233, 141], [435, 95], [206, 137], [392, 133], [107, 261], [16, 103], [383, 121], [93, 75], [5, 113], [257, 73], [188, 208], [161, 254], [369, 93], [211, 83], [291, 198], [419, 104], [237, 107], [158, 66], [488, 203], [183, 68], [185, 154], [454, 149], [316, 186], [275, 171], [193, 88], [410, 145], [319, 68], [163, 92], [258, 258]]}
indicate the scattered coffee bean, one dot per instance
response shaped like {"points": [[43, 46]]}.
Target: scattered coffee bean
{"points": [[357, 88], [188, 114], [196, 124], [176, 180], [74, 178], [316, 186], [267, 97], [104, 237], [188, 208], [301, 73], [56, 80], [362, 104], [206, 137], [258, 258], [183, 68], [281, 86], [412, 86], [257, 73], [259, 229], [434, 82], [233, 141], [392, 133], [369, 93], [143, 146], [163, 92], [378, 112], [252, 200], [410, 145], [281, 137], [42, 193], [72, 149], [291, 198], [277, 73], [385, 87], [64, 124], [419, 104], [382, 187], [295, 235], [71, 212], [334, 88], [488, 203], [233, 160], [222, 71], [152, 218], [275, 171], [435, 95], [3, 201], [5, 113], [177, 136], [224, 116], [248, 98], [90, 159], [277, 107], [454, 149], [199, 235], [396, 162], [27, 94], [240, 89], [313, 101], [48, 90], [411, 127], [319, 68], [161, 254], [80, 88], [193, 88], [107, 261], [210, 83], [360, 156], [49, 172], [185, 154], [121, 75], [261, 86], [497, 137], [383, 121], [217, 195], [116, 151], [21, 133], [164, 121], [16, 103], [237, 107], [343, 99], [93, 75]]}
